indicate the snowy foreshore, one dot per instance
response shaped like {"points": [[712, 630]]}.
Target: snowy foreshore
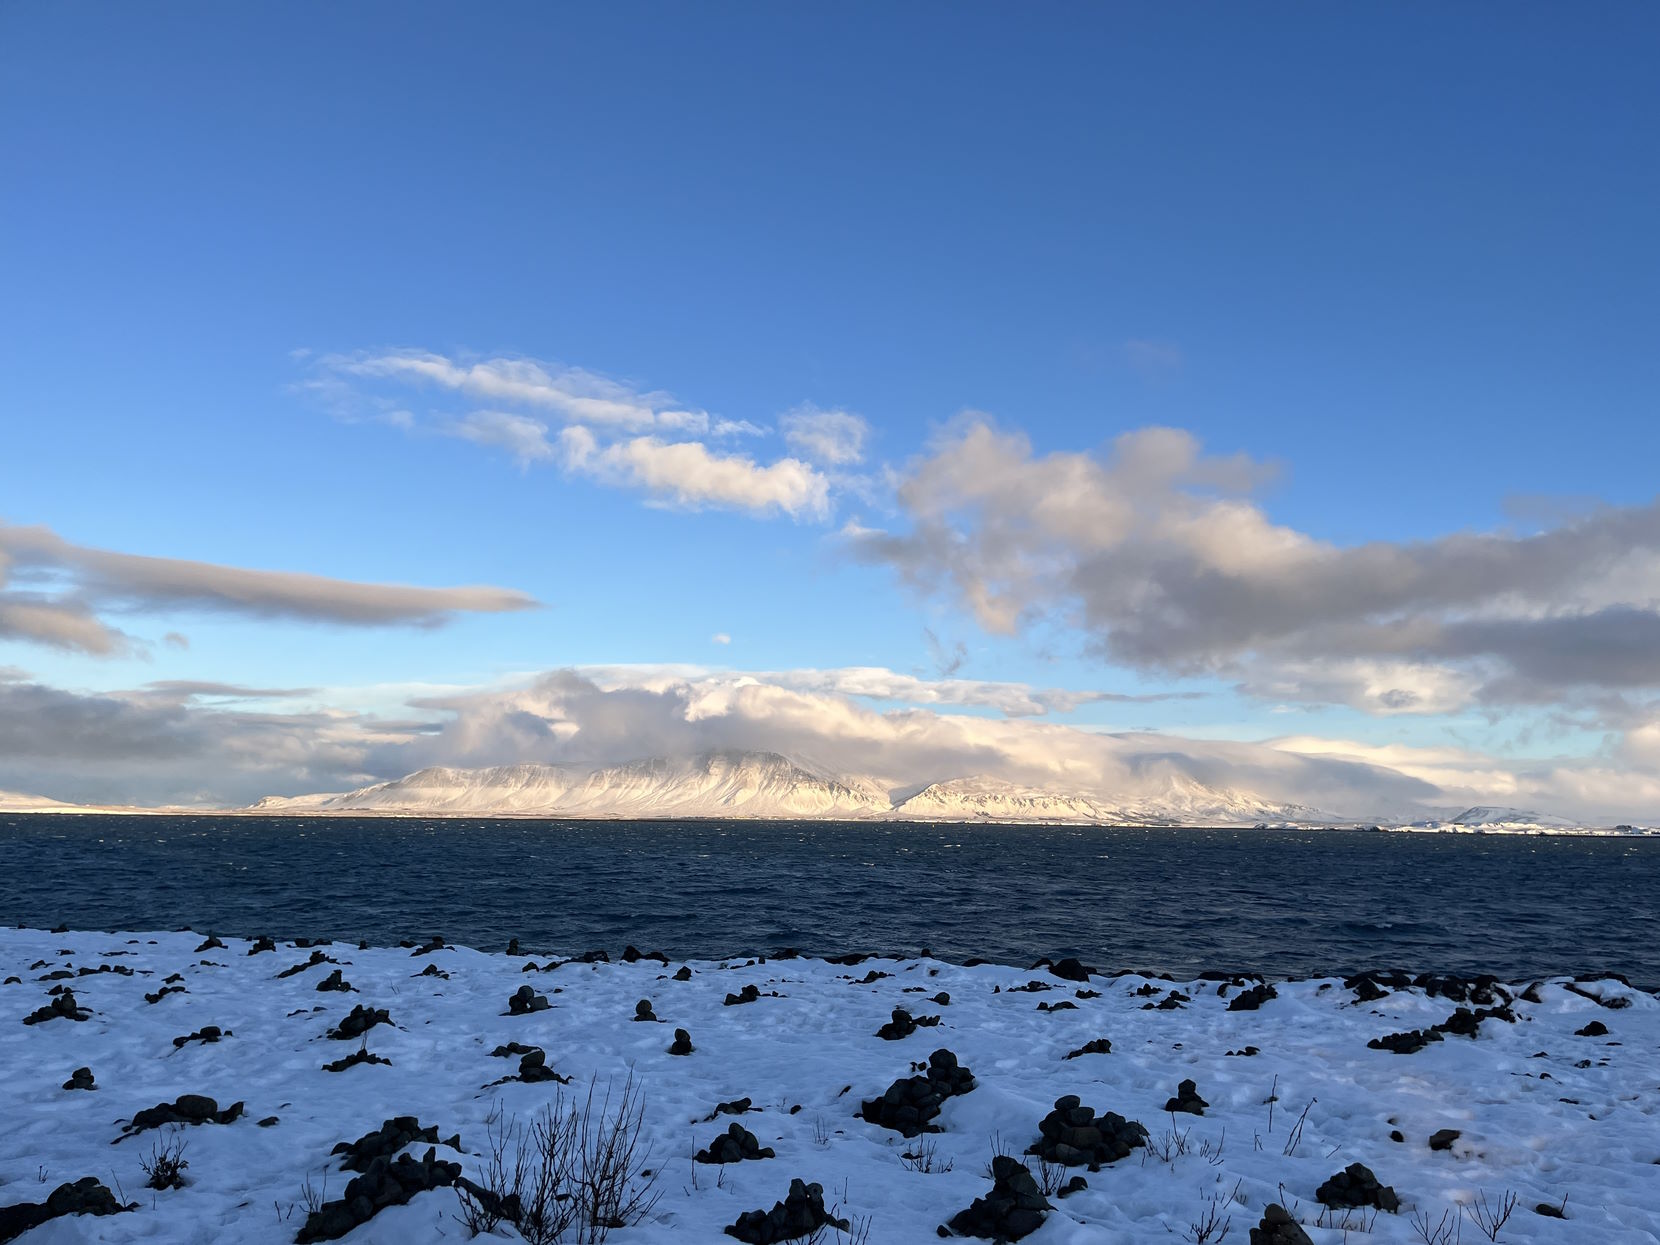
{"points": [[1557, 1118]]}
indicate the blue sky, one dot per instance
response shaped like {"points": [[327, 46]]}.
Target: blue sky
{"points": [[1407, 256]]}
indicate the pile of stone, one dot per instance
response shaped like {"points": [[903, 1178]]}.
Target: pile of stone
{"points": [[912, 1103], [1252, 997], [525, 1000], [1595, 1029], [1443, 1138], [682, 1044], [1408, 1043], [800, 1214], [735, 1145], [83, 1197], [1187, 1100], [383, 1183], [1095, 1046], [738, 1106], [334, 981], [359, 1021], [747, 995], [361, 1055], [683, 973], [1356, 1186], [903, 1024], [1013, 1209], [533, 1065], [643, 1012], [186, 1109], [1466, 1023], [1069, 969], [1278, 1228], [435, 943], [262, 943], [1074, 1136], [633, 955], [206, 1035], [80, 1078], [162, 993], [1065, 1005], [120, 970], [387, 1140], [63, 1007]]}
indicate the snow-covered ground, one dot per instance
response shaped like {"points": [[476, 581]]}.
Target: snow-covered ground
{"points": [[1539, 1111]]}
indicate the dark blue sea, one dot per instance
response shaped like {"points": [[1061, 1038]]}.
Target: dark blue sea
{"points": [[1282, 903]]}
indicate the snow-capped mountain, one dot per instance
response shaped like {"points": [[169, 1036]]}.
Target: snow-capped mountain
{"points": [[715, 784], [767, 785]]}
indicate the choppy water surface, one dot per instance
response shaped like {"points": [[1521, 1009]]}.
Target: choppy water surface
{"points": [[1278, 902]]}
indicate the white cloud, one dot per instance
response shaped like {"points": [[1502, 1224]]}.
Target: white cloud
{"points": [[720, 637], [834, 438], [688, 473], [525, 438]]}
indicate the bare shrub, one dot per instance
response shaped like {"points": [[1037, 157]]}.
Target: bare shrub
{"points": [[164, 1169], [924, 1158], [1447, 1230], [1212, 1221], [1490, 1217]]}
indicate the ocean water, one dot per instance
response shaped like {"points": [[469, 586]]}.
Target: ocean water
{"points": [[1283, 903]]}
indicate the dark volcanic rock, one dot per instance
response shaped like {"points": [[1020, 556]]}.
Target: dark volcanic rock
{"points": [[162, 993], [1095, 1046], [903, 1024], [525, 1000], [1187, 1100], [334, 981], [533, 1066], [1408, 1043], [63, 1007], [352, 1060], [911, 1103], [1069, 970], [387, 1140], [736, 1144], [643, 1012], [801, 1213], [262, 943], [1252, 997], [1013, 1209], [633, 955], [1074, 1136], [80, 1078], [206, 1035], [1443, 1139], [1278, 1228], [682, 1044], [1356, 1186], [1466, 1023], [359, 1021], [186, 1109], [1595, 1029], [738, 1106], [85, 1196], [317, 957], [747, 995], [683, 973], [383, 1183]]}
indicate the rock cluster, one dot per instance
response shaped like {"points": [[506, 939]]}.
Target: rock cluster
{"points": [[359, 1021], [206, 1035], [643, 1012], [683, 973], [1069, 970], [435, 943], [186, 1109], [211, 943], [1408, 1043], [525, 1000], [334, 981], [747, 995], [387, 1140], [1595, 1029], [801, 1213], [1095, 1046], [1074, 1136], [1356, 1186], [1252, 997], [1466, 1023], [162, 993], [383, 1183], [83, 1197], [903, 1024], [63, 1007], [738, 1106], [1442, 1139], [911, 1103], [1278, 1228], [362, 1055], [80, 1078], [317, 957], [262, 943], [633, 955], [736, 1144], [533, 1065], [1013, 1209], [682, 1044], [1187, 1100]]}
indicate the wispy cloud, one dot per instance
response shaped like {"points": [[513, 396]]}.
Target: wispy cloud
{"points": [[70, 587], [834, 438]]}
